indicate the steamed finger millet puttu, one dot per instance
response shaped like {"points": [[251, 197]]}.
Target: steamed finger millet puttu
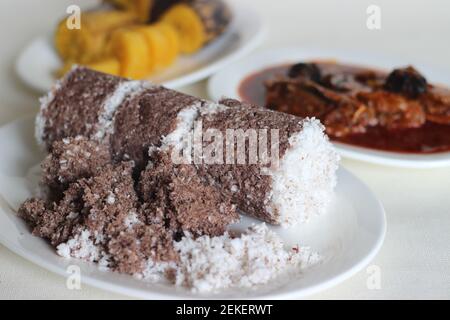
{"points": [[100, 218], [133, 118], [118, 195]]}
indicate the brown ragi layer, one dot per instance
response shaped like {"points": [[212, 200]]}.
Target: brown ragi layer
{"points": [[72, 159], [141, 122], [189, 203], [253, 187], [77, 105]]}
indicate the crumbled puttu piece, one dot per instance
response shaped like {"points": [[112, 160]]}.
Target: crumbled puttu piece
{"points": [[72, 159], [99, 219], [188, 203]]}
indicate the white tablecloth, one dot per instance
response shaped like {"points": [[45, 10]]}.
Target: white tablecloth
{"points": [[415, 259]]}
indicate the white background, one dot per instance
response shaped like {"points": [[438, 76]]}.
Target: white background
{"points": [[415, 259]]}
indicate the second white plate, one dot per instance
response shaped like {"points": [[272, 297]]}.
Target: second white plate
{"points": [[38, 61], [226, 84]]}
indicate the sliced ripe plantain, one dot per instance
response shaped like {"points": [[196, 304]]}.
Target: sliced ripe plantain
{"points": [[162, 43], [156, 42], [173, 42], [214, 15], [189, 26], [75, 45], [132, 51], [89, 42], [198, 22], [108, 65]]}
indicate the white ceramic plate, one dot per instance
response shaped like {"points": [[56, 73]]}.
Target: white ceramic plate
{"points": [[226, 83], [347, 237], [38, 61]]}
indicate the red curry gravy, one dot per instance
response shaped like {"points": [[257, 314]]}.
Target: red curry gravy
{"points": [[429, 138]]}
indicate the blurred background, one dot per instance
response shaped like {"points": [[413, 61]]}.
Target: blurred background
{"points": [[412, 29]]}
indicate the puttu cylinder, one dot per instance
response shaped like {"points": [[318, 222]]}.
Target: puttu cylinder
{"points": [[290, 181]]}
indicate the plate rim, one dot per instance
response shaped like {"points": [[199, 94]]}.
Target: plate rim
{"points": [[276, 56], [300, 292]]}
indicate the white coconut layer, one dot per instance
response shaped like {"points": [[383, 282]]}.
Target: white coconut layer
{"points": [[210, 108], [123, 91], [179, 139], [80, 246], [185, 124], [303, 183]]}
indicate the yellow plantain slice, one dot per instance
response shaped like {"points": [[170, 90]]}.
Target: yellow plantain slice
{"points": [[89, 42], [132, 51], [162, 43], [189, 26], [173, 42], [156, 42], [108, 65]]}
